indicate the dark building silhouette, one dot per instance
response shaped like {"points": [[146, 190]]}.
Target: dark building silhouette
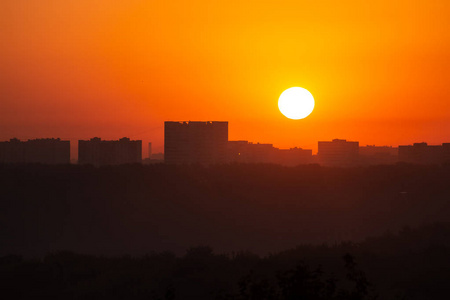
{"points": [[422, 153], [237, 151], [338, 152], [293, 156], [98, 152], [45, 151], [195, 142], [446, 152], [247, 152], [154, 158], [376, 155]]}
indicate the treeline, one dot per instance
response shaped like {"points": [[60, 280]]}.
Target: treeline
{"points": [[262, 208], [413, 264]]}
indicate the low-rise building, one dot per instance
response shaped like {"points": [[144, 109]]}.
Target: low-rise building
{"points": [[99, 152], [341, 153], [422, 153], [378, 155], [247, 152], [44, 151]]}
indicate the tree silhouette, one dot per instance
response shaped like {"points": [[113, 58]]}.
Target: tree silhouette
{"points": [[302, 283]]}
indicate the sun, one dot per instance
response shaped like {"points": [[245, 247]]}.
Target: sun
{"points": [[296, 103]]}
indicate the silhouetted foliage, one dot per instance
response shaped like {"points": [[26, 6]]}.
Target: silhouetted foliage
{"points": [[303, 283], [200, 274], [304, 272]]}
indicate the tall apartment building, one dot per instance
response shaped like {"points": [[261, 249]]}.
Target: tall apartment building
{"points": [[45, 151], [98, 152], [195, 142], [340, 153]]}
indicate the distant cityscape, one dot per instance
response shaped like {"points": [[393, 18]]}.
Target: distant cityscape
{"points": [[207, 143]]}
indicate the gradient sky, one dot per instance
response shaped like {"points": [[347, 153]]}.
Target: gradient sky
{"points": [[75, 69]]}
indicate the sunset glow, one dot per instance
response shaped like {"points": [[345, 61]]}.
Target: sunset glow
{"points": [[79, 69]]}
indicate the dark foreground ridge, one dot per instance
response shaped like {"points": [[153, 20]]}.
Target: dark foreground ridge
{"points": [[108, 212], [410, 265]]}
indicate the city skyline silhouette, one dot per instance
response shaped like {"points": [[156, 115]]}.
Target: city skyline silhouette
{"points": [[200, 135]]}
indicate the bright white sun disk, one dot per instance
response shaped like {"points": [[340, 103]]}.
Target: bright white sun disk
{"points": [[296, 103]]}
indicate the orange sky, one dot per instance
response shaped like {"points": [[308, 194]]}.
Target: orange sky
{"points": [[379, 70]]}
